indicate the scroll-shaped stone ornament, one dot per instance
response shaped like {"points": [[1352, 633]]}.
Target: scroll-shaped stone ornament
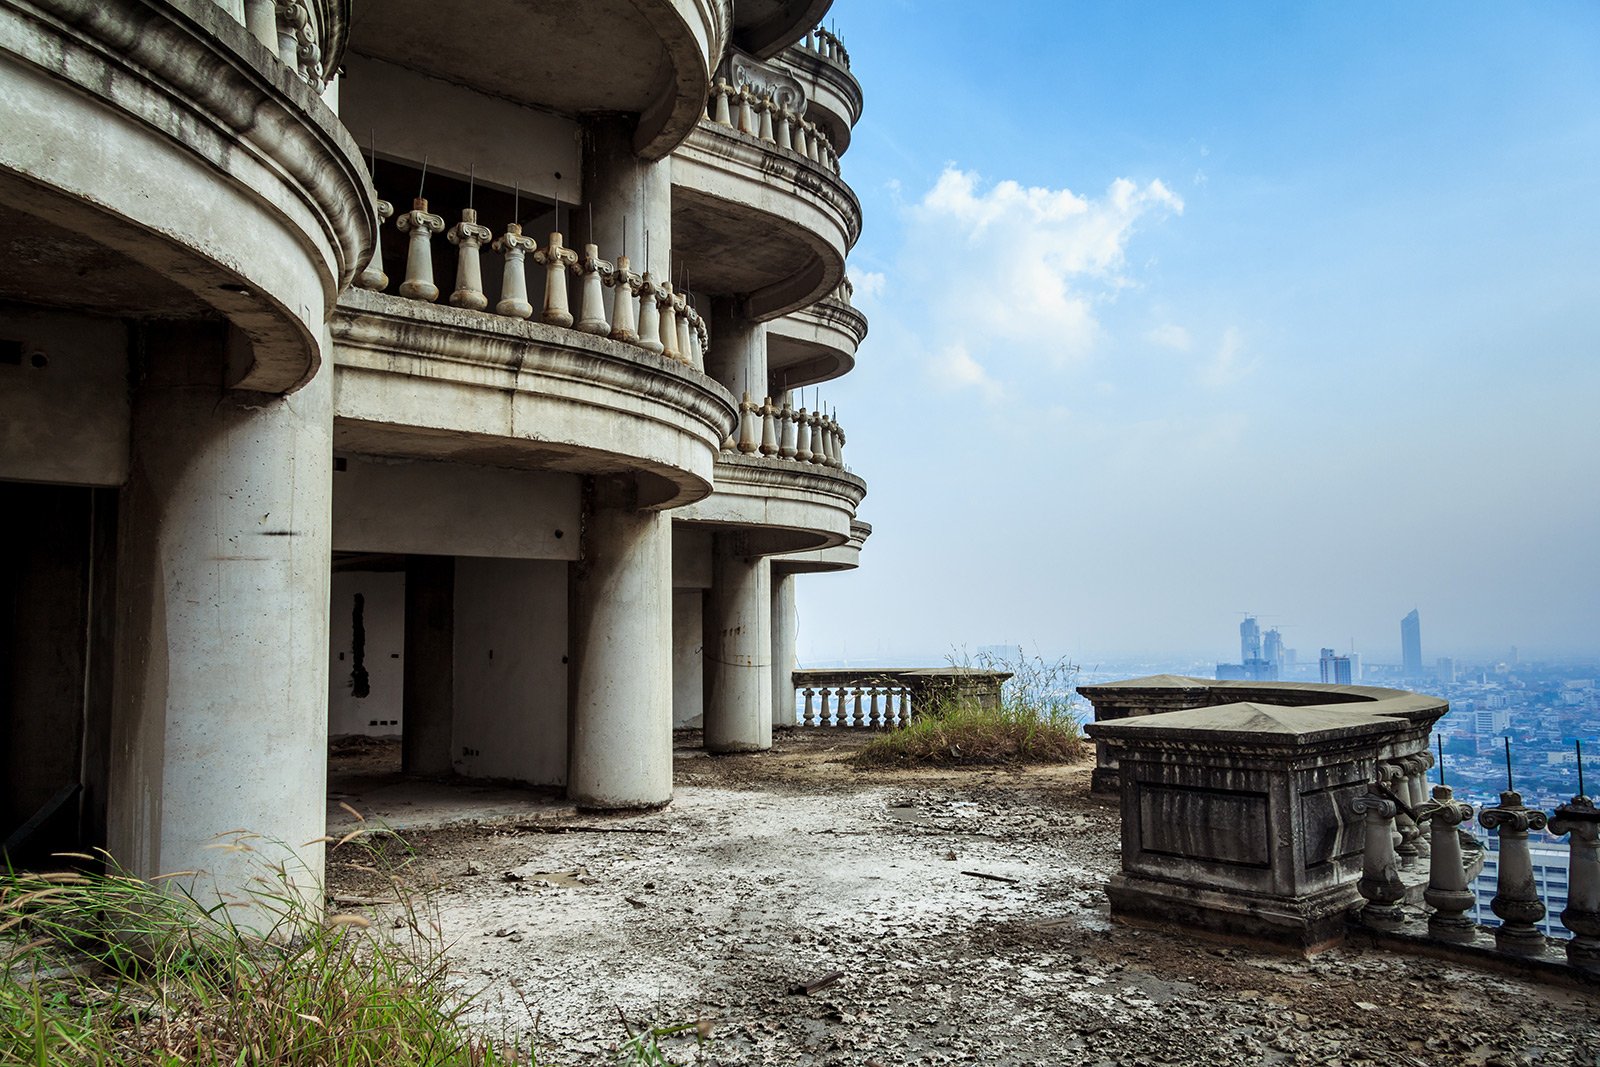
{"points": [[667, 305], [1393, 775], [468, 237], [372, 276], [786, 435], [802, 438], [592, 272], [749, 435], [556, 260], [1579, 818], [1516, 897], [685, 348], [514, 277], [624, 322], [418, 283], [1380, 882], [1448, 893], [649, 315]]}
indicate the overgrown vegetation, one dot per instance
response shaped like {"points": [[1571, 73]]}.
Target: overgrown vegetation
{"points": [[1032, 722], [111, 969]]}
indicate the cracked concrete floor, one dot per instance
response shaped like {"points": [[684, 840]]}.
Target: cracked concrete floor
{"points": [[963, 909]]}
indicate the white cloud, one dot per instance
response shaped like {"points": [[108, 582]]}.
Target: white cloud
{"points": [[868, 285], [1005, 273], [954, 368], [1230, 362], [1170, 335]]}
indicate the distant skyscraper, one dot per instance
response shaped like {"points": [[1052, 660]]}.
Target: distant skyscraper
{"points": [[1447, 670], [1411, 645], [1335, 668], [1249, 639], [1272, 649]]}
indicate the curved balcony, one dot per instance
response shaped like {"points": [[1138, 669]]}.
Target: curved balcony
{"points": [[206, 177], [651, 58], [428, 382], [758, 221], [843, 557], [816, 343], [820, 63], [779, 505], [764, 27]]}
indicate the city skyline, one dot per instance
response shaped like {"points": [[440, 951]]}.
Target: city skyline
{"points": [[1178, 312]]}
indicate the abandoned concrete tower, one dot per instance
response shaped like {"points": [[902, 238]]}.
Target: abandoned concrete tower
{"points": [[402, 367]]}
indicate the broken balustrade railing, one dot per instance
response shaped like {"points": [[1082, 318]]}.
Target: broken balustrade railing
{"points": [[1455, 858], [611, 300]]}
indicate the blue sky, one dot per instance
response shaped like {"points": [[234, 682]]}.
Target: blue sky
{"points": [[1183, 310]]}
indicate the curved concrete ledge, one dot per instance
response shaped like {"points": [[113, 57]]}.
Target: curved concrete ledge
{"points": [[765, 27], [197, 155], [843, 557], [833, 95], [694, 34], [815, 344], [779, 505], [436, 382], [758, 221], [1174, 692]]}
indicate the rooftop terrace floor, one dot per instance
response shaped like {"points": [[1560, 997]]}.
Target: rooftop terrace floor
{"points": [[769, 871]]}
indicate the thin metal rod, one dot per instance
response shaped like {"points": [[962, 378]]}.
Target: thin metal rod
{"points": [[1579, 746], [472, 183], [1510, 788], [516, 203], [1440, 738], [424, 179]]}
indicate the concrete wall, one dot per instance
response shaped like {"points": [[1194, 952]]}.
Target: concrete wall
{"points": [[511, 670], [412, 116], [688, 657], [453, 509], [383, 617], [64, 406]]}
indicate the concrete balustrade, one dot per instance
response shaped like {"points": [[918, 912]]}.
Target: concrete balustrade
{"points": [[882, 698], [827, 45], [767, 120], [784, 432], [643, 312]]}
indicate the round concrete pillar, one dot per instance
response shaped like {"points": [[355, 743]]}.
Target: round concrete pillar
{"points": [[738, 650], [220, 706], [628, 196], [738, 354], [621, 747], [785, 631]]}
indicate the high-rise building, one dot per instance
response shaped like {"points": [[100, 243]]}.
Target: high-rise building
{"points": [[1446, 670], [1249, 639], [1335, 668], [1411, 645], [1272, 649]]}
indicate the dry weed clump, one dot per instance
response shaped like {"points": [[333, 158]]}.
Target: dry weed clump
{"points": [[1034, 722]]}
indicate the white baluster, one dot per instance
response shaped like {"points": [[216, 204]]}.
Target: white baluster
{"points": [[747, 113], [764, 122], [721, 115], [372, 277], [786, 445], [802, 444], [468, 237], [514, 277], [665, 300], [781, 132], [557, 260], [685, 334], [649, 315], [799, 141], [769, 428], [624, 321], [749, 434], [592, 271], [418, 284]]}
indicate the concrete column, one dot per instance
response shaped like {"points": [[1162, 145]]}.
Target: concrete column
{"points": [[785, 631], [625, 191], [621, 741], [738, 355], [220, 703], [429, 688], [738, 650]]}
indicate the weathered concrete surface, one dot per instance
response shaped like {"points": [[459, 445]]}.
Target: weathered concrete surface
{"points": [[738, 644]]}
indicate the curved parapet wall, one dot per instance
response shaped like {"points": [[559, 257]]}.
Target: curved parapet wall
{"points": [[1139, 698], [843, 557], [779, 506], [197, 156], [833, 94], [431, 382], [815, 344]]}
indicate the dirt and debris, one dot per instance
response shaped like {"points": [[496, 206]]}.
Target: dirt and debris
{"points": [[795, 870]]}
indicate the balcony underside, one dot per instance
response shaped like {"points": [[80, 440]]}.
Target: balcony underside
{"points": [[423, 381], [843, 557], [759, 223], [778, 506], [765, 27], [650, 58], [205, 179], [814, 344]]}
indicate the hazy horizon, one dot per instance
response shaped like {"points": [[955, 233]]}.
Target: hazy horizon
{"points": [[1179, 312]]}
